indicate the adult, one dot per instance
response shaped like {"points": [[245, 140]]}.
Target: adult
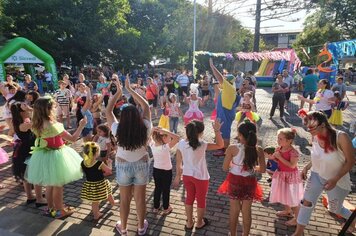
{"points": [[8, 91], [323, 98], [246, 87], [29, 84], [140, 88], [226, 105], [204, 85], [290, 82], [340, 87], [49, 81], [132, 161], [279, 89], [82, 80], [332, 158], [183, 82], [10, 81], [152, 95], [102, 87], [251, 78], [310, 86], [239, 80], [40, 78], [169, 82]]}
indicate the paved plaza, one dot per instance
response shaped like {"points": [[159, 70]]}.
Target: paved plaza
{"points": [[18, 219]]}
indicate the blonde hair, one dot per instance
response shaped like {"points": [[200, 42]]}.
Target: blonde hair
{"points": [[288, 133], [42, 111], [89, 151]]}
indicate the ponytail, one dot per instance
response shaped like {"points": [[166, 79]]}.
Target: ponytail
{"points": [[248, 131], [193, 129]]}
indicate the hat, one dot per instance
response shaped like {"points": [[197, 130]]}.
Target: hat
{"points": [[230, 77]]}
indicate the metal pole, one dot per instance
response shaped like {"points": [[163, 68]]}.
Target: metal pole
{"points": [[194, 34]]}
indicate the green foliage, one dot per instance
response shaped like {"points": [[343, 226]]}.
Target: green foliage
{"points": [[315, 36]]}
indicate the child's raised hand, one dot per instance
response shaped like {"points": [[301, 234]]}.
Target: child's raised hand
{"points": [[217, 125]]}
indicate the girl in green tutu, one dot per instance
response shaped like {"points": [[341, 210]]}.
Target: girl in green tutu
{"points": [[53, 164]]}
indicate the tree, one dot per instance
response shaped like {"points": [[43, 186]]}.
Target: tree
{"points": [[79, 30], [317, 31]]}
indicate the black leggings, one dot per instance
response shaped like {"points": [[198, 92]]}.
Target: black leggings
{"points": [[278, 99], [163, 180]]}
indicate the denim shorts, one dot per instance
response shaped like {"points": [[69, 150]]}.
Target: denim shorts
{"points": [[132, 173]]}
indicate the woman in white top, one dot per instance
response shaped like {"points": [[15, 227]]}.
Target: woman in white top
{"points": [[191, 151], [132, 162], [332, 158], [323, 99]]}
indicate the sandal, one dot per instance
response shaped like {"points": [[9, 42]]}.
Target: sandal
{"points": [[206, 223], [60, 214], [292, 222], [186, 228], [284, 213], [155, 210], [119, 229], [167, 211], [144, 229]]}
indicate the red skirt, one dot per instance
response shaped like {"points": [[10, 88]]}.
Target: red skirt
{"points": [[238, 187]]}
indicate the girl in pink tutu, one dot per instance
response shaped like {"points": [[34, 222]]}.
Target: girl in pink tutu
{"points": [[193, 112], [287, 185]]}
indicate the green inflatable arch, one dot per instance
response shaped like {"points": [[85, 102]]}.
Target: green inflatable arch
{"points": [[22, 50]]}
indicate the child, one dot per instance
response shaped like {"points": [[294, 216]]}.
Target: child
{"points": [[191, 151], [164, 119], [241, 185], [193, 112], [287, 185], [96, 109], [106, 142], [174, 111], [63, 96], [272, 165], [21, 114], [339, 106], [96, 188], [246, 109], [83, 105], [163, 141], [53, 164]]}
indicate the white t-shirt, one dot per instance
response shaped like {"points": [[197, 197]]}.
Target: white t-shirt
{"points": [[194, 162], [128, 155], [48, 76], [103, 141], [288, 80], [321, 98], [161, 156]]}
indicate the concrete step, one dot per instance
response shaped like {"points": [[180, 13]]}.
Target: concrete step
{"points": [[15, 222]]}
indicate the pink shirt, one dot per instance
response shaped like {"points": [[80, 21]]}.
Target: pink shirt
{"points": [[287, 156]]}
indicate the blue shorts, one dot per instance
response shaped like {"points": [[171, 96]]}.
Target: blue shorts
{"points": [[132, 173], [311, 94], [87, 131]]}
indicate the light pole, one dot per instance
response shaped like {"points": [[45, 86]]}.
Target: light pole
{"points": [[194, 34], [154, 64]]}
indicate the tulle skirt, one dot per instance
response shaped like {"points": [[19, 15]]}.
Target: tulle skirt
{"points": [[252, 116], [54, 167], [287, 188], [4, 157], [164, 122], [238, 187], [193, 115], [336, 118]]}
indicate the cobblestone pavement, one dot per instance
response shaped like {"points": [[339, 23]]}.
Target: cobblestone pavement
{"points": [[264, 217]]}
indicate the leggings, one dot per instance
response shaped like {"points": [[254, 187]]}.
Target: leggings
{"points": [[163, 180], [196, 189], [278, 100], [313, 190]]}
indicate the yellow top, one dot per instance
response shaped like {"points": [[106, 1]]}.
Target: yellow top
{"points": [[228, 95]]}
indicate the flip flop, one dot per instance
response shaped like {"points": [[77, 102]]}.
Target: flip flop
{"points": [[167, 211], [186, 228], [284, 213], [206, 223], [144, 229], [119, 229]]}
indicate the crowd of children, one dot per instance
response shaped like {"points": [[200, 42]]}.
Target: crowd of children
{"points": [[42, 157]]}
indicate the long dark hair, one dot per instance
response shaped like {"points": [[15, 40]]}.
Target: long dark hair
{"points": [[248, 131], [19, 96], [326, 82], [321, 118], [193, 129], [80, 103], [16, 116], [132, 131]]}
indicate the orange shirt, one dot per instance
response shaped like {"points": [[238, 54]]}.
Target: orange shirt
{"points": [[151, 91]]}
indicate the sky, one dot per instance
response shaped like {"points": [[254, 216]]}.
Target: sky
{"points": [[241, 12]]}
